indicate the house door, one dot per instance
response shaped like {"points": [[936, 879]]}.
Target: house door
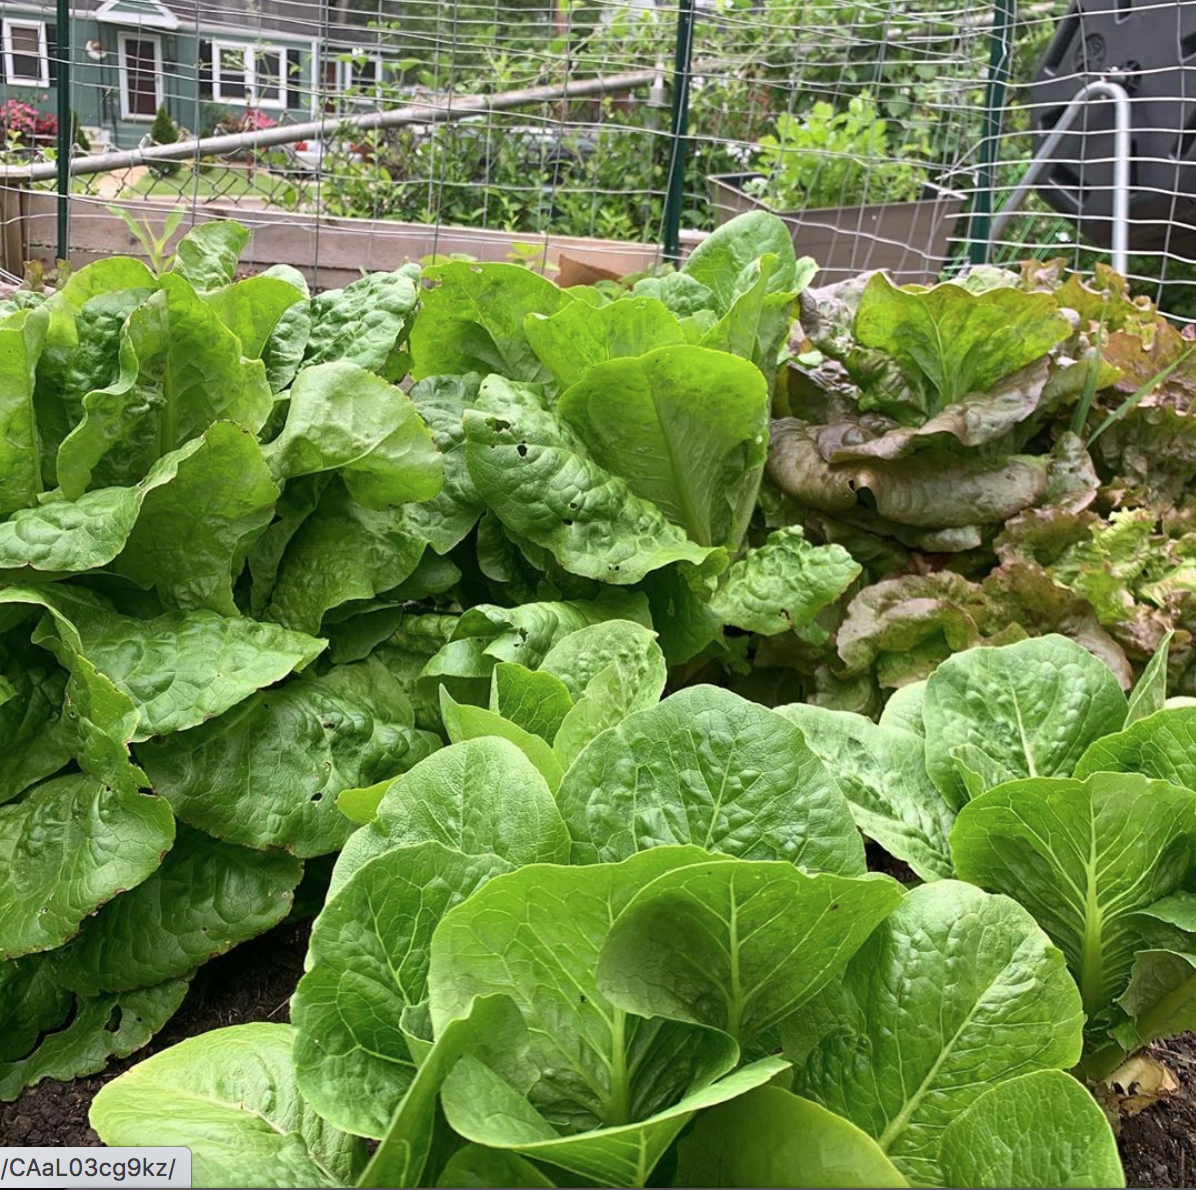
{"points": [[140, 77]]}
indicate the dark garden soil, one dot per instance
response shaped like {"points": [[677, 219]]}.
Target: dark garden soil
{"points": [[1158, 1147], [254, 983]]}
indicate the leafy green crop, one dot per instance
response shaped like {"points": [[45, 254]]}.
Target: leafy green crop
{"points": [[246, 578], [1029, 773], [501, 991]]}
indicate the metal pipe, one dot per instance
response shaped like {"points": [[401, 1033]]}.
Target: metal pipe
{"points": [[416, 113], [1000, 56], [674, 198], [66, 137], [1122, 122]]}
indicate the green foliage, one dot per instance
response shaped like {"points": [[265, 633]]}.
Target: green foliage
{"points": [[839, 159]]}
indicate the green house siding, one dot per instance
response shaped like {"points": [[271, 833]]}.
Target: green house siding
{"points": [[185, 74]]}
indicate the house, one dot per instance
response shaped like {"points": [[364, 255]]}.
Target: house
{"points": [[205, 60]]}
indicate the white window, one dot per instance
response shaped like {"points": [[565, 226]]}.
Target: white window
{"points": [[26, 60], [252, 75], [354, 74], [140, 76]]}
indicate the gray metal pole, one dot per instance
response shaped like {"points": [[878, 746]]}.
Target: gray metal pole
{"points": [[1122, 142], [417, 113]]}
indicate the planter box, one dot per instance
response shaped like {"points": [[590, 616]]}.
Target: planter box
{"points": [[909, 240]]}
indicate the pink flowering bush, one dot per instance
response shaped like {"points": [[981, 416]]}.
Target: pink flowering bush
{"points": [[30, 126]]}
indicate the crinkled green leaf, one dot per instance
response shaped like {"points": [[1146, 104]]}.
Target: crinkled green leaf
{"points": [[709, 768], [954, 992], [445, 519], [1041, 1129], [207, 255], [1029, 709], [68, 847], [342, 418], [195, 527], [577, 337], [472, 320], [368, 960], [22, 336], [180, 370], [183, 668], [339, 553], [882, 773], [686, 427], [784, 583], [534, 473], [282, 353], [207, 897], [612, 670], [37, 737], [102, 1028], [950, 343], [795, 1142], [221, 472], [267, 773], [231, 1097]]}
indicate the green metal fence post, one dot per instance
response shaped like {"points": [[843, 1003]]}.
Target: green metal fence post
{"points": [[999, 67], [674, 198], [66, 138]]}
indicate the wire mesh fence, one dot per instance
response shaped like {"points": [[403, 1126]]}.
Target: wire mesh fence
{"points": [[883, 129]]}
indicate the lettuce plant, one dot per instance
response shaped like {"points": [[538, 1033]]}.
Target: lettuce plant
{"points": [[243, 571], [1025, 770], [507, 987]]}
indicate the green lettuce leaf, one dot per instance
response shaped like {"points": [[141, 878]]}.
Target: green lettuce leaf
{"points": [[342, 418], [1082, 857], [1029, 709], [1041, 1129], [688, 433], [68, 847], [180, 370], [709, 768], [207, 897], [955, 991], [22, 336], [796, 1142], [101, 1028], [738, 945], [481, 797], [231, 1097], [364, 322], [577, 336], [367, 963], [472, 320], [950, 343], [268, 772], [534, 473], [783, 584]]}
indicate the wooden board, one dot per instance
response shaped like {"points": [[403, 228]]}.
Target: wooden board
{"points": [[330, 252]]}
